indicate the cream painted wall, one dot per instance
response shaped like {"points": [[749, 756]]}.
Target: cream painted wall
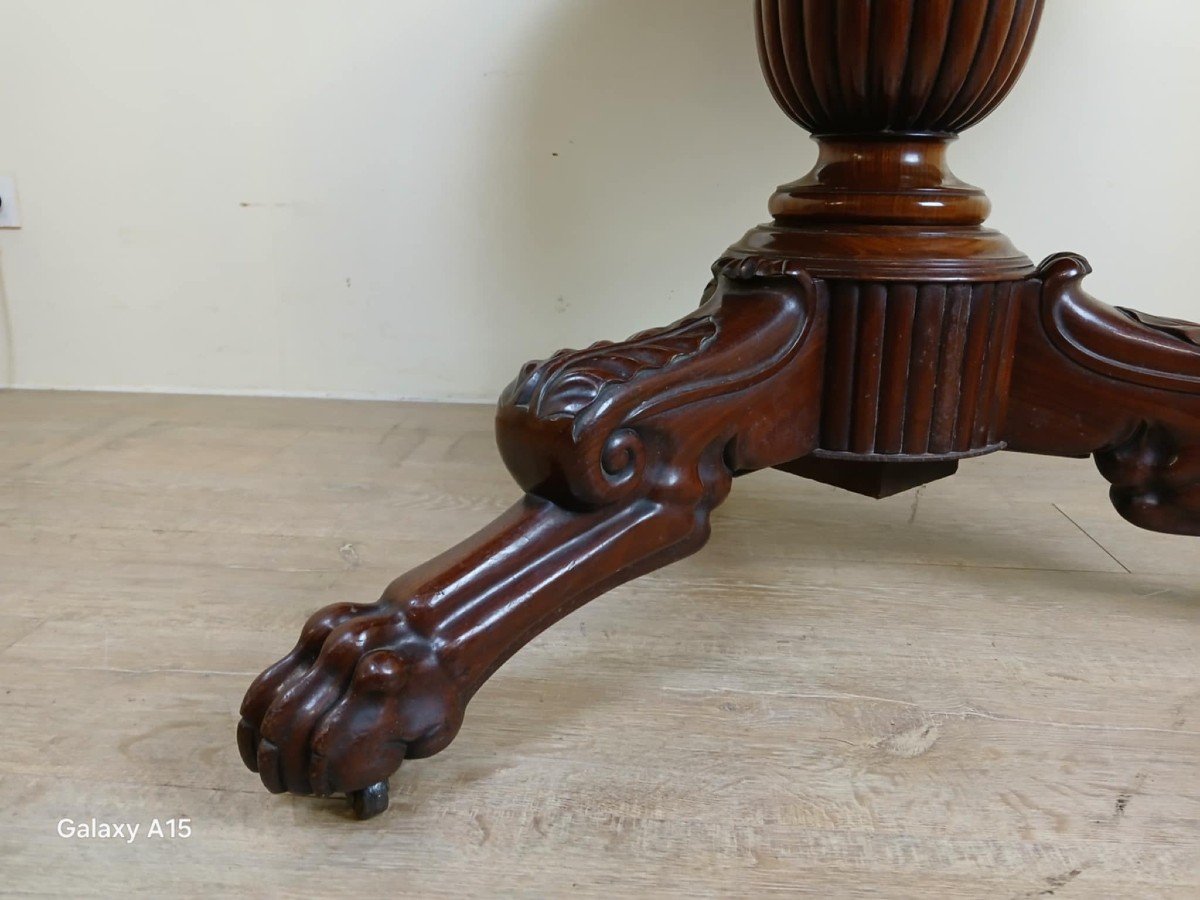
{"points": [[408, 198]]}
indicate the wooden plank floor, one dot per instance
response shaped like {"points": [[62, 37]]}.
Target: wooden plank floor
{"points": [[989, 688]]}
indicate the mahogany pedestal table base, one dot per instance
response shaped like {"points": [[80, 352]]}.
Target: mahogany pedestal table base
{"points": [[871, 337]]}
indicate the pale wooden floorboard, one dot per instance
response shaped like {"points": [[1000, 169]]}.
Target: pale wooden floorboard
{"points": [[985, 689]]}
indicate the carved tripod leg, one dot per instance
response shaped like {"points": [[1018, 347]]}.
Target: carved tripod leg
{"points": [[1125, 386], [624, 449]]}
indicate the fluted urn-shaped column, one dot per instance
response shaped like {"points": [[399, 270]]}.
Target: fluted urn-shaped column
{"points": [[885, 85], [894, 66]]}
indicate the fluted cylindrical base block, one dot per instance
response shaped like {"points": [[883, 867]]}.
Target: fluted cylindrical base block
{"points": [[917, 371]]}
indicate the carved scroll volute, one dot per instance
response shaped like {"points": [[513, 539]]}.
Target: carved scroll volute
{"points": [[1095, 379], [1121, 344], [588, 428]]}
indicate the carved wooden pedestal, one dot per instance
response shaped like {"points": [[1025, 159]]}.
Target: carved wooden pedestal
{"points": [[872, 336]]}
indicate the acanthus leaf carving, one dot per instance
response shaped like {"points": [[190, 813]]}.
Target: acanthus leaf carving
{"points": [[578, 427], [567, 384]]}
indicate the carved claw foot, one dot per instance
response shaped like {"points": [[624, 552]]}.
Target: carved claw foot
{"points": [[1155, 479], [624, 450], [358, 693], [1116, 383]]}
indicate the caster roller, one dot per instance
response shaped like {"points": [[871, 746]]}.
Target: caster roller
{"points": [[371, 801]]}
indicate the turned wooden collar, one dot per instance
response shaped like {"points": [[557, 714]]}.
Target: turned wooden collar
{"points": [[873, 180]]}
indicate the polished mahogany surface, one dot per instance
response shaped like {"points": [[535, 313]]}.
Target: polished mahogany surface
{"points": [[905, 66], [872, 336], [899, 181]]}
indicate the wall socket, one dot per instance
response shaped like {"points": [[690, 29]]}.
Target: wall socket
{"points": [[10, 211]]}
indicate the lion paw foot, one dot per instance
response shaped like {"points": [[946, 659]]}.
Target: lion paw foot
{"points": [[1155, 477], [358, 694]]}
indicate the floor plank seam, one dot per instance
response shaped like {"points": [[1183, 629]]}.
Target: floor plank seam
{"points": [[969, 713]]}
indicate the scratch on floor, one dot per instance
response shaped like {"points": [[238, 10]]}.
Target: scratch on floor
{"points": [[1128, 571], [349, 556], [1055, 882], [485, 831], [1122, 804], [912, 742], [912, 516], [387, 435]]}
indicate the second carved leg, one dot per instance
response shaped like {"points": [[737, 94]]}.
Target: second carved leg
{"points": [[624, 450], [1122, 385]]}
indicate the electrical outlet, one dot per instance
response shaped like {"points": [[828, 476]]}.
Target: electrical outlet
{"points": [[10, 212]]}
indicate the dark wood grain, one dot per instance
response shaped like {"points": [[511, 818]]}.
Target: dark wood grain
{"points": [[896, 366]]}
